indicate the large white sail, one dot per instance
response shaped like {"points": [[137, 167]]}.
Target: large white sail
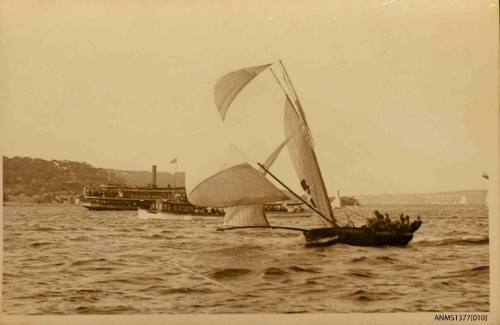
{"points": [[305, 164], [230, 85], [252, 215], [238, 185]]}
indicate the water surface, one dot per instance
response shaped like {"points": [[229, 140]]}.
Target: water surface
{"points": [[66, 260]]}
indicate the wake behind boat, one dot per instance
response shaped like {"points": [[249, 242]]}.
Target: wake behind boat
{"points": [[243, 189]]}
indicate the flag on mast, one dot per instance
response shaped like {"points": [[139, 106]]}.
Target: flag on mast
{"points": [[174, 161]]}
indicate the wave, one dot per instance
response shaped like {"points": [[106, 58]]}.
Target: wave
{"points": [[304, 269], [101, 268], [475, 273], [358, 259], [81, 238], [274, 271], [154, 236], [86, 262], [485, 268], [43, 243], [106, 310], [185, 290], [472, 272], [465, 240], [362, 273], [236, 250], [87, 291], [229, 273], [360, 295], [134, 280], [45, 229], [365, 295], [313, 291], [377, 259], [386, 259]]}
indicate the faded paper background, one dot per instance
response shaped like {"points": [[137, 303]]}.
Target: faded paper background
{"points": [[401, 96]]}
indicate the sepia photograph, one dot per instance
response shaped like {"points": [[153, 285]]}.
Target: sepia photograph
{"points": [[304, 162]]}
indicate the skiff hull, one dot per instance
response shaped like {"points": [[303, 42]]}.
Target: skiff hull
{"points": [[355, 237]]}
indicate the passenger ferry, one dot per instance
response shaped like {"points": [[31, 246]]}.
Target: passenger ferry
{"points": [[117, 197]]}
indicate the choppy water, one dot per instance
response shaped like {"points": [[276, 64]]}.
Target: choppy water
{"points": [[66, 260]]}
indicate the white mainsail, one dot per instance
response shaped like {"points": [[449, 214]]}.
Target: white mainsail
{"points": [[241, 184], [230, 85], [305, 164]]}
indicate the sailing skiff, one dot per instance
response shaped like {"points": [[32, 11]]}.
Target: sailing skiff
{"points": [[243, 189]]}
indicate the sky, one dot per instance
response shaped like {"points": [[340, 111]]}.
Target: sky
{"points": [[401, 96]]}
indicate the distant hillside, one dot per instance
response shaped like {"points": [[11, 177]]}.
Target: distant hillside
{"points": [[37, 180], [471, 197]]}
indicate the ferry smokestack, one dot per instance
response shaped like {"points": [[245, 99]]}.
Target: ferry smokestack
{"points": [[153, 177]]}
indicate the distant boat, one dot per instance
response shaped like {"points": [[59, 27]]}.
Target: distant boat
{"points": [[286, 209], [336, 203], [178, 210], [344, 201], [463, 200], [243, 189]]}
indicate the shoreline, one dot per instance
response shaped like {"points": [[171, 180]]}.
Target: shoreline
{"points": [[38, 204]]}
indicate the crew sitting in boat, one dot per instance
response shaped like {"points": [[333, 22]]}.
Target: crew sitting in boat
{"points": [[384, 223], [415, 224]]}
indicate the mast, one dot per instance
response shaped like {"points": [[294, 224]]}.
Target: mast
{"points": [[303, 117], [282, 88], [298, 104]]}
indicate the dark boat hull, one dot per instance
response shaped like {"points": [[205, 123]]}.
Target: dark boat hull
{"points": [[355, 237]]}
